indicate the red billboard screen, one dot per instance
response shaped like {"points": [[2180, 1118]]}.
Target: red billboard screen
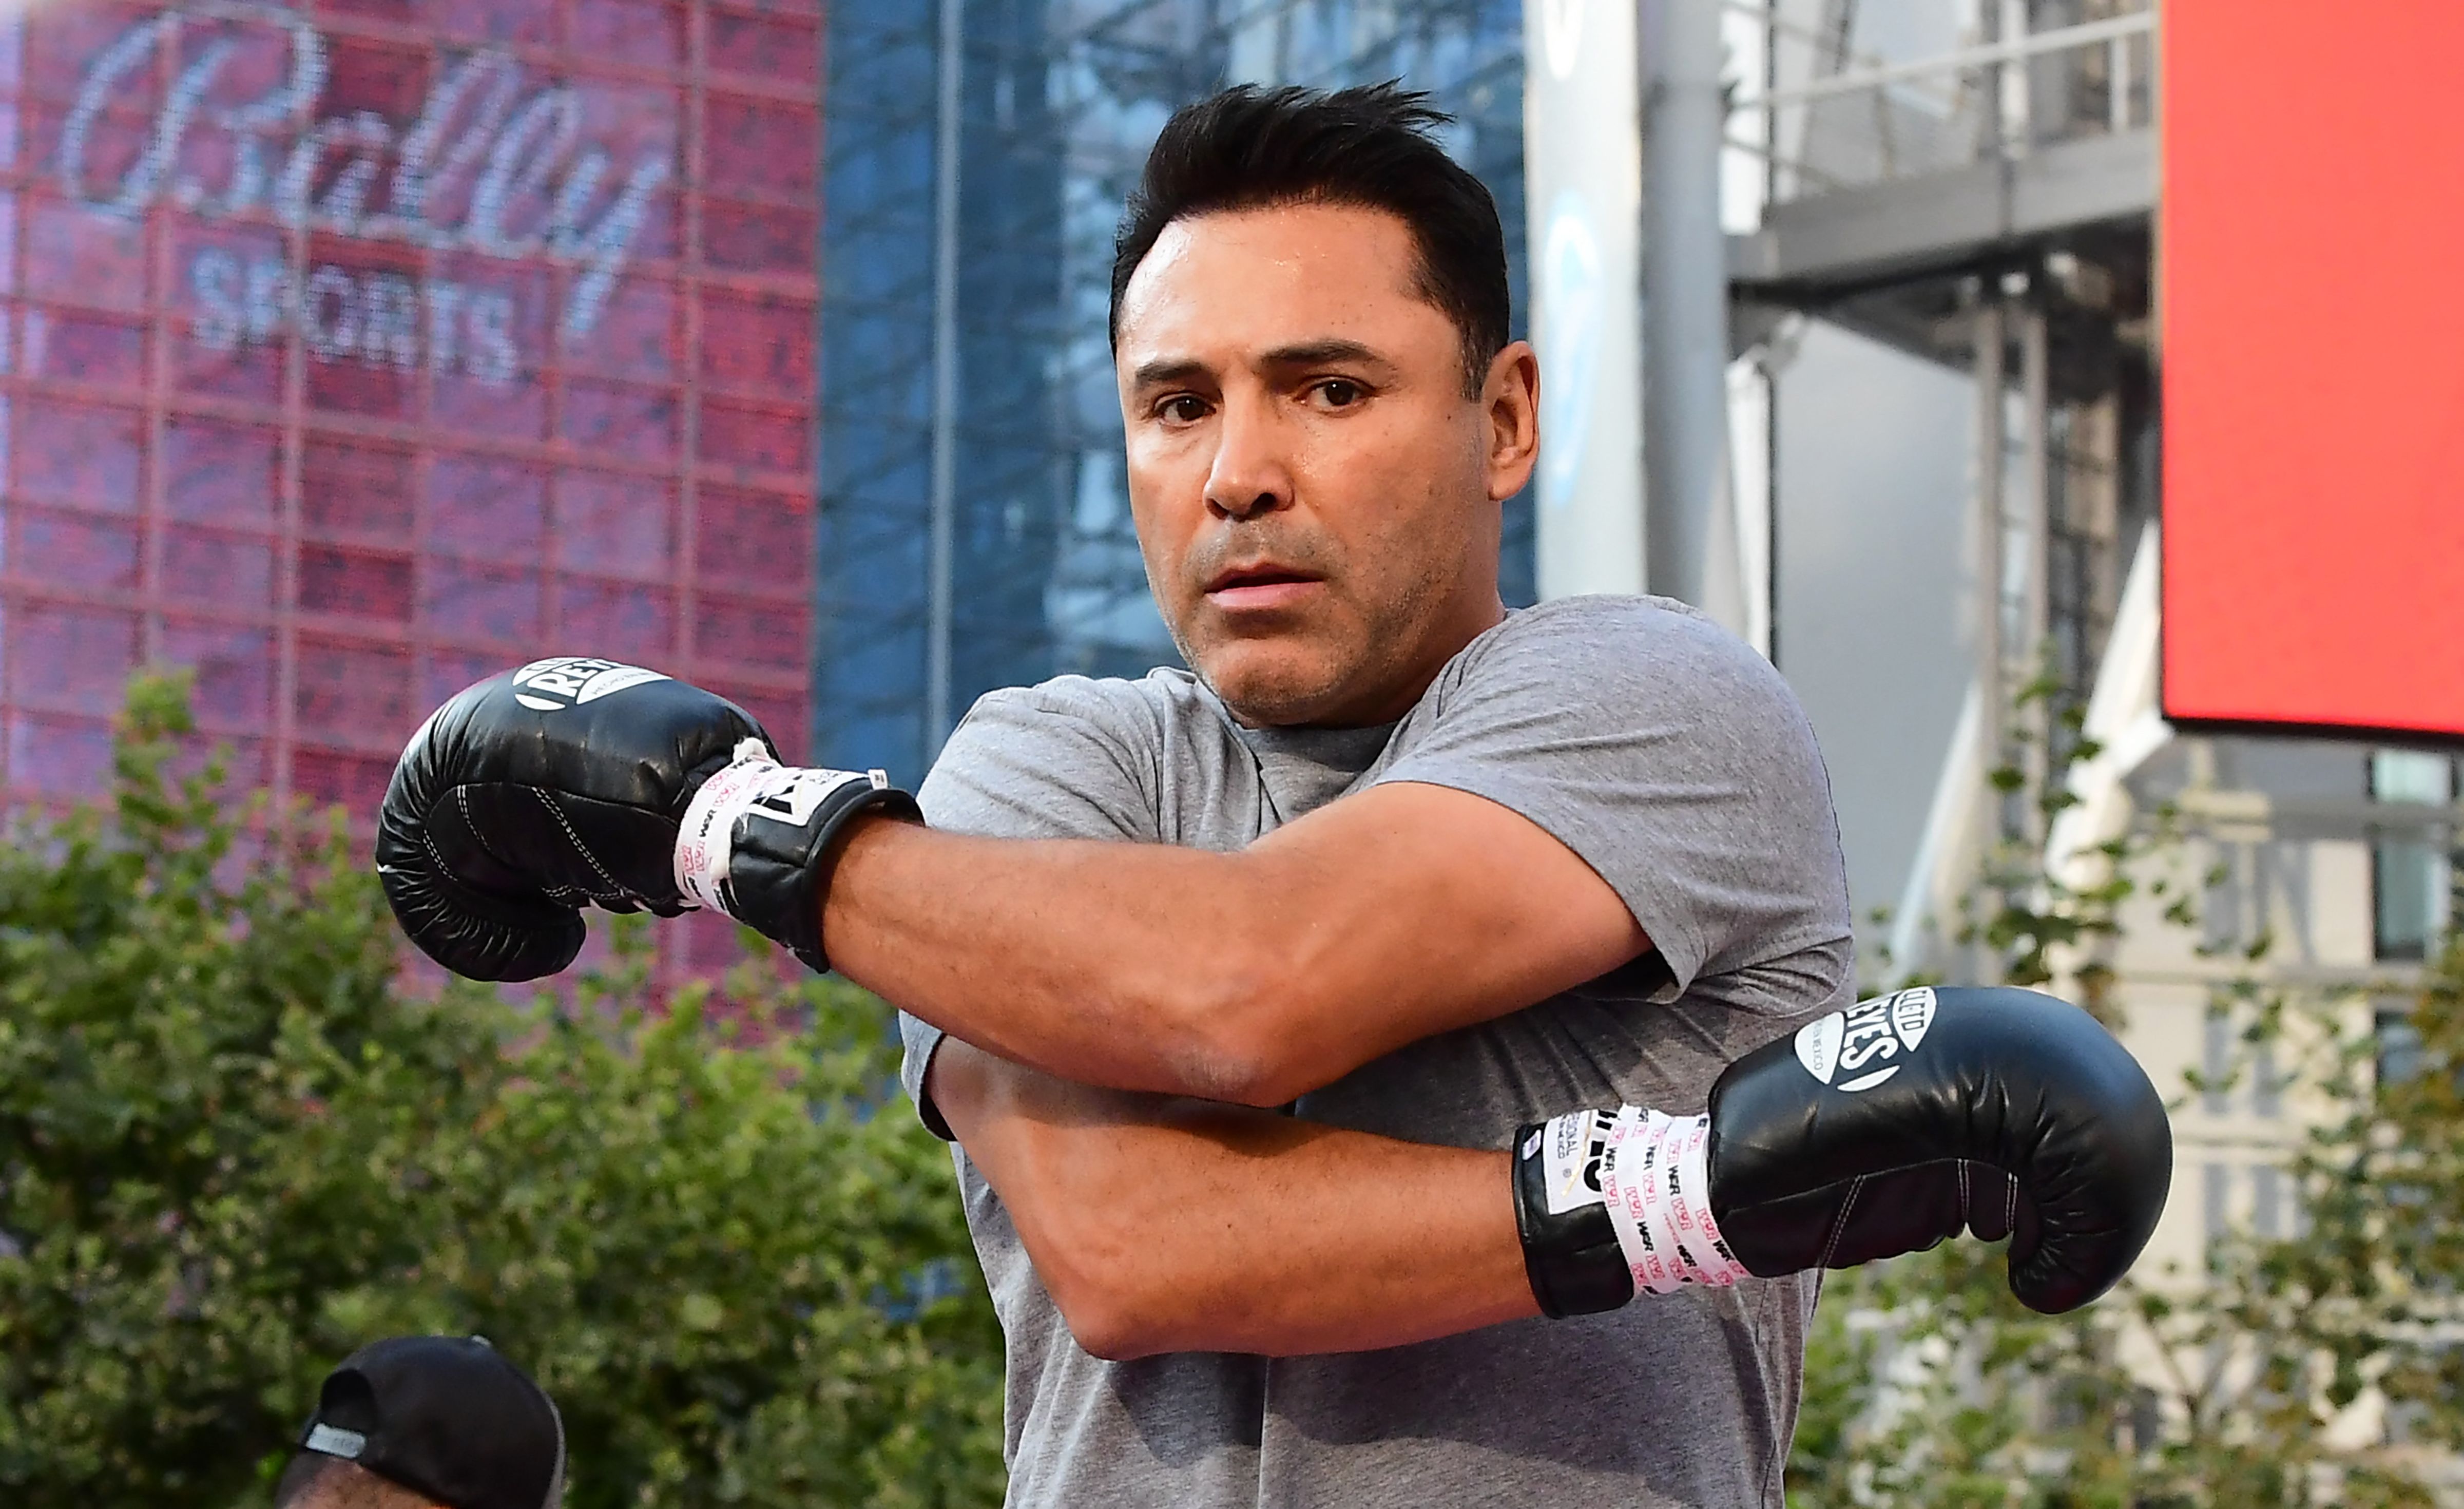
{"points": [[2314, 366]]}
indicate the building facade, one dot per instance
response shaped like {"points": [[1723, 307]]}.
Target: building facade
{"points": [[975, 530], [2324, 873], [1944, 244], [353, 353]]}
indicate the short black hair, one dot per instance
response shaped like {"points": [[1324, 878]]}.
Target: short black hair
{"points": [[1250, 147]]}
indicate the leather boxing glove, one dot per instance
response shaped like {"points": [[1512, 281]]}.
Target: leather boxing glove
{"points": [[1875, 1131], [573, 782]]}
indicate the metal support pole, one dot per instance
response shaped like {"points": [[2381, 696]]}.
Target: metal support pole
{"points": [[1688, 554], [2018, 121], [945, 379], [2117, 85], [1992, 695], [2036, 598]]}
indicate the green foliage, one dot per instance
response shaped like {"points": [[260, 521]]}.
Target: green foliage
{"points": [[233, 1149], [1929, 1388]]}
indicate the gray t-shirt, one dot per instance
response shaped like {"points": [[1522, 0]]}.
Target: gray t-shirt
{"points": [[1678, 764]]}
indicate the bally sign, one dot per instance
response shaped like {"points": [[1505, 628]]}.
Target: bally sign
{"points": [[488, 165]]}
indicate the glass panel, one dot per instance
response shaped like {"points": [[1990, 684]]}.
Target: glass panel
{"points": [[209, 566], [635, 333], [497, 20], [356, 584], [630, 32], [72, 659], [770, 47], [464, 600], [77, 550], [355, 692], [2267, 1203], [758, 238], [762, 540], [223, 472], [621, 620], [233, 670], [769, 635], [79, 455], [781, 714], [763, 146], [59, 758], [448, 672], [2217, 1062], [2406, 775], [354, 489], [635, 423], [765, 344], [480, 506], [356, 782], [756, 439], [77, 257], [81, 348], [618, 525], [2410, 886]]}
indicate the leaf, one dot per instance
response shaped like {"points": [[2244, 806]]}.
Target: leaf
{"points": [[234, 1146]]}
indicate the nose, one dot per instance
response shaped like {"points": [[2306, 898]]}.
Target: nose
{"points": [[1249, 478]]}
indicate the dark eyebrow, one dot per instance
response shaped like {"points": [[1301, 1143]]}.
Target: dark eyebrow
{"points": [[1319, 353], [1168, 371], [1177, 370]]}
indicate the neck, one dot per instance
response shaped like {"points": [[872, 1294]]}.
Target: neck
{"points": [[1411, 679]]}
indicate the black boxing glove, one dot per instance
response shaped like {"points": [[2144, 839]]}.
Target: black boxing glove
{"points": [[1876, 1131], [567, 783]]}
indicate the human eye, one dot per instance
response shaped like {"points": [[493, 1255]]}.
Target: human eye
{"points": [[1332, 394], [1179, 408]]}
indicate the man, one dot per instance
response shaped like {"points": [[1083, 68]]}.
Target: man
{"points": [[427, 1422], [1414, 869]]}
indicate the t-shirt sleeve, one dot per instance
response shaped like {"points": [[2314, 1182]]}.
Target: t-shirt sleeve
{"points": [[1670, 757], [1069, 759]]}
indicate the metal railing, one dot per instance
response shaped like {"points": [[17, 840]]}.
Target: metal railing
{"points": [[1872, 125]]}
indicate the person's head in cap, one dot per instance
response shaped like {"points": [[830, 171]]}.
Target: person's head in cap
{"points": [[428, 1420]]}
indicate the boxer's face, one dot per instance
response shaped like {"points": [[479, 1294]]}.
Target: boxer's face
{"points": [[1316, 494]]}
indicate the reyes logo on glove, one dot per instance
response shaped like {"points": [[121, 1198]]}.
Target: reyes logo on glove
{"points": [[1867, 1040], [548, 686]]}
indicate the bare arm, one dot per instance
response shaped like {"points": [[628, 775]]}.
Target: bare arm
{"points": [[1254, 977], [1163, 1224]]}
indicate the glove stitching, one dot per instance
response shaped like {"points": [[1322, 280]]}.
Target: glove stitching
{"points": [[428, 841], [2011, 1203], [427, 837], [1962, 1189], [1839, 1223], [574, 838]]}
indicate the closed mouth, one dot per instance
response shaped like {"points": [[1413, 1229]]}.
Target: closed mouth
{"points": [[1262, 574]]}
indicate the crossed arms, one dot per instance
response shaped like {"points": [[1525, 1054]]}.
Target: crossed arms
{"points": [[1116, 1010]]}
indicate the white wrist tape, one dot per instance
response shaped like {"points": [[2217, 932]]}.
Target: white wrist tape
{"points": [[754, 784], [1656, 1181]]}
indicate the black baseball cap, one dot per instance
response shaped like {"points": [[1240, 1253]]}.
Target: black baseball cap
{"points": [[446, 1417]]}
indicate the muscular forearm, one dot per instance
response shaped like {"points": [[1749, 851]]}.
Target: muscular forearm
{"points": [[1165, 1226], [1098, 962], [1251, 977]]}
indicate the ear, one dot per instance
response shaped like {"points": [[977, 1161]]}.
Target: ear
{"points": [[1510, 399]]}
